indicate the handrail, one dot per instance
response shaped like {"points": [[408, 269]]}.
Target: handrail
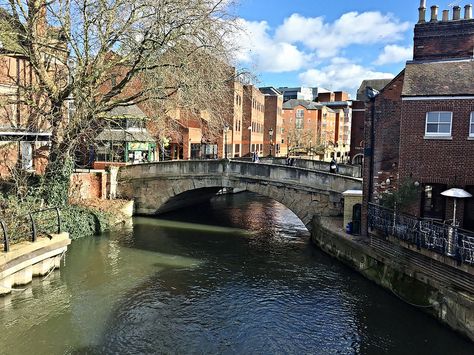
{"points": [[6, 241], [34, 235], [442, 238]]}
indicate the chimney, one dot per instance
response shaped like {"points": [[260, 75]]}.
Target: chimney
{"points": [[434, 13], [445, 15], [422, 11], [456, 12], [468, 12]]}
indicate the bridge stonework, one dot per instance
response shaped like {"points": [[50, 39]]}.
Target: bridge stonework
{"points": [[164, 186]]}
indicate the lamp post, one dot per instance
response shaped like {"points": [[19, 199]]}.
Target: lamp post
{"points": [[250, 141], [226, 129], [310, 153], [270, 133], [455, 194]]}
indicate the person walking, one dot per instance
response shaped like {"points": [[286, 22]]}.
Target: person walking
{"points": [[333, 166]]}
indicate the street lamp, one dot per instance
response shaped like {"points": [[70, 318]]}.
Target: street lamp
{"points": [[250, 141], [270, 133], [455, 194], [226, 129], [310, 153]]}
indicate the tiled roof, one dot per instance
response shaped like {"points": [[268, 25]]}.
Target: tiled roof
{"points": [[119, 135], [130, 111], [439, 78], [309, 105]]}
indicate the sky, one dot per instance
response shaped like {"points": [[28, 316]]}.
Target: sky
{"points": [[332, 44]]}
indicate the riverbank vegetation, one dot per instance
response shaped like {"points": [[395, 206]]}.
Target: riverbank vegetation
{"points": [[87, 58]]}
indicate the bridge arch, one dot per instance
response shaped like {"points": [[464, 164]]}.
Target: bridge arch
{"points": [[161, 187]]}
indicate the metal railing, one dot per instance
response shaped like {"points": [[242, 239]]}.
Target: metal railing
{"points": [[34, 225], [38, 226], [424, 233], [6, 241]]}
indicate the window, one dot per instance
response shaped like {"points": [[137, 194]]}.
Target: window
{"points": [[471, 125], [438, 123]]}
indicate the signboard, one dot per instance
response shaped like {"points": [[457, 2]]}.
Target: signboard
{"points": [[137, 146]]}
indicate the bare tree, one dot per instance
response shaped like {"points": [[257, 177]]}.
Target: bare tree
{"points": [[95, 55]]}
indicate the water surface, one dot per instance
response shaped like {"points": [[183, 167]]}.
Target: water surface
{"points": [[235, 276]]}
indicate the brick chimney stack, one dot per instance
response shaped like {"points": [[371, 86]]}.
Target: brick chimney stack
{"points": [[450, 38]]}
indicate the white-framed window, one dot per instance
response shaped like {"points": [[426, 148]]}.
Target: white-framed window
{"points": [[471, 125], [438, 124]]}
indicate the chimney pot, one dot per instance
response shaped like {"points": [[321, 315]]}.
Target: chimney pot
{"points": [[434, 13], [456, 13], [468, 12], [445, 15], [422, 11]]}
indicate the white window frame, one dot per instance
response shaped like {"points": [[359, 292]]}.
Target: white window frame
{"points": [[471, 125], [438, 134]]}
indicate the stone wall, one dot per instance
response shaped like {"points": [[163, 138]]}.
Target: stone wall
{"points": [[415, 282]]}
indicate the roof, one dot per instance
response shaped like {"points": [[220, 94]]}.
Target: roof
{"points": [[446, 78], [129, 111], [377, 84], [309, 105], [336, 103], [120, 135], [269, 90]]}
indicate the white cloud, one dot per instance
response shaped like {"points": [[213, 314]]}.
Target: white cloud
{"points": [[394, 54], [327, 39], [257, 47], [340, 74]]}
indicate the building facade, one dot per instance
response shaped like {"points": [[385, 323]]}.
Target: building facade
{"points": [[420, 128], [273, 122], [253, 121]]}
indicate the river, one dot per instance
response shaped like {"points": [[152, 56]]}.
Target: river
{"points": [[237, 275]]}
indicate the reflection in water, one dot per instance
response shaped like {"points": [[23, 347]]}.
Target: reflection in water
{"points": [[237, 275]]}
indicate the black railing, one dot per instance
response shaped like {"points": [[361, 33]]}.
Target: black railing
{"points": [[424, 233], [45, 226], [6, 241]]}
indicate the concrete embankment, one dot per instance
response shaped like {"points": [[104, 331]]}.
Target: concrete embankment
{"points": [[445, 292], [26, 260]]}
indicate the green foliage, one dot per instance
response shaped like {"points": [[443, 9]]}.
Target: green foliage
{"points": [[406, 194], [55, 183], [80, 221]]}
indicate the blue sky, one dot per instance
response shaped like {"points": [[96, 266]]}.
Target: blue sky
{"points": [[333, 44]]}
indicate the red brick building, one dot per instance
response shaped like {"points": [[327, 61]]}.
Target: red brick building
{"points": [[273, 122], [252, 122], [421, 125], [356, 153]]}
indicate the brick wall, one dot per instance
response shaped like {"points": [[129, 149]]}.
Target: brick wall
{"points": [[386, 111], [85, 186], [357, 129], [440, 161]]}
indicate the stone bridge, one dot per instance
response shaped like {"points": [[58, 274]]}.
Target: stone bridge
{"points": [[165, 186]]}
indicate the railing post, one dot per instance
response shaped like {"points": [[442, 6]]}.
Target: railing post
{"points": [[33, 228], [59, 219], [6, 241]]}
